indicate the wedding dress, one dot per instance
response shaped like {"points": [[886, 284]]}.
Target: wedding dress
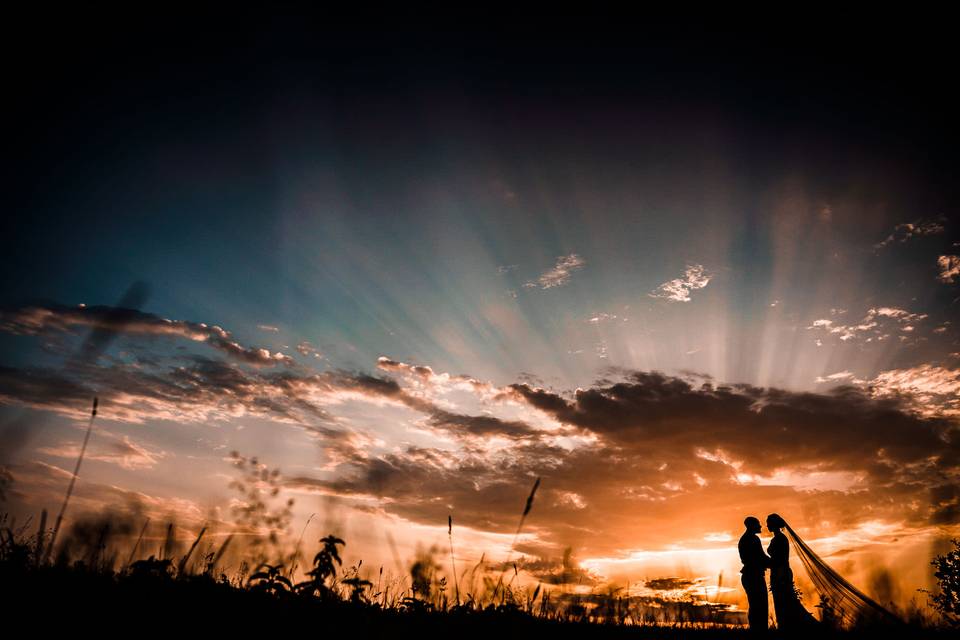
{"points": [[841, 603], [786, 601]]}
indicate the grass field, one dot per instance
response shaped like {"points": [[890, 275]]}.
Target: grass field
{"points": [[107, 594]]}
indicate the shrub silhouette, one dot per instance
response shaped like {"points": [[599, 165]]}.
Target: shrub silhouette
{"points": [[151, 569], [358, 587], [269, 579], [324, 570], [947, 600]]}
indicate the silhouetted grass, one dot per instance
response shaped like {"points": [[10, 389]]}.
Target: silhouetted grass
{"points": [[153, 592]]}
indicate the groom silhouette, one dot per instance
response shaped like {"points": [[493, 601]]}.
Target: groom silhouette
{"points": [[753, 578]]}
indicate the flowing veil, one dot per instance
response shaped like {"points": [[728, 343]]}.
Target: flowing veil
{"points": [[842, 603]]}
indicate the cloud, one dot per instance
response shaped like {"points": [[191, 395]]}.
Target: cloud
{"points": [[903, 232], [199, 390], [423, 378], [899, 314], [840, 376], [37, 320], [304, 348], [879, 324], [482, 425], [428, 386], [949, 268], [603, 317], [268, 328], [422, 372], [560, 274], [618, 459], [669, 584], [122, 452], [929, 389], [678, 289], [763, 428], [662, 447], [564, 570], [46, 483]]}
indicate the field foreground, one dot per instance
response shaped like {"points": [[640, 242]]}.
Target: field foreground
{"points": [[77, 600]]}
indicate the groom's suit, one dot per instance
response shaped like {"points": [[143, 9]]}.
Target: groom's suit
{"points": [[755, 563]]}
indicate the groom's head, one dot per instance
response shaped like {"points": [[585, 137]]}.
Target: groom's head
{"points": [[752, 524]]}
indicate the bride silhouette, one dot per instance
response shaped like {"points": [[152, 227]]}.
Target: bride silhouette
{"points": [[786, 601], [841, 603]]}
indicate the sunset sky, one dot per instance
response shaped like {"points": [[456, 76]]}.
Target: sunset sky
{"points": [[683, 277]]}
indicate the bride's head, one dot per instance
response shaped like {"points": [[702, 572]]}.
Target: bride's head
{"points": [[775, 523]]}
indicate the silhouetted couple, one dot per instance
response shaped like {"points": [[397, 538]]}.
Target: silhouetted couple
{"points": [[786, 602]]}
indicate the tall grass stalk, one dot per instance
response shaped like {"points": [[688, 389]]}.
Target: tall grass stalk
{"points": [[73, 481], [453, 562], [41, 536], [523, 518], [167, 548], [296, 550], [186, 558], [220, 552], [136, 545]]}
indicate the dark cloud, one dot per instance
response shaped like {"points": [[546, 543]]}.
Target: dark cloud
{"points": [[945, 499], [668, 584], [42, 320], [196, 390], [422, 484], [563, 570], [460, 424], [666, 451], [765, 429]]}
